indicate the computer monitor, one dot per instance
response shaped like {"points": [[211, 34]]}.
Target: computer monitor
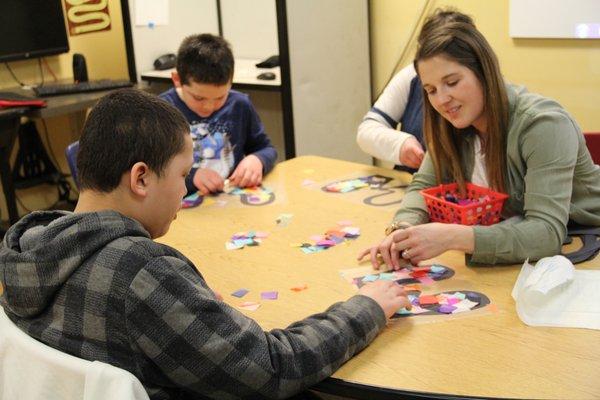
{"points": [[31, 28]]}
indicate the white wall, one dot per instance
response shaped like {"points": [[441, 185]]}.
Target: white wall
{"points": [[250, 27], [330, 74]]}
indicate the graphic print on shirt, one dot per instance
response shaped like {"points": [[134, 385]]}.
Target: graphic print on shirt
{"points": [[212, 148]]}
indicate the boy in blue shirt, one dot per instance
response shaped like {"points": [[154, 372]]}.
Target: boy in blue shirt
{"points": [[229, 138]]}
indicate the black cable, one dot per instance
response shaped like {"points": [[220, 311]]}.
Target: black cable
{"points": [[53, 157], [406, 47], [13, 74], [41, 71]]}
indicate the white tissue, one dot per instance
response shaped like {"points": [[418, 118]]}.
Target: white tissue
{"points": [[553, 293]]}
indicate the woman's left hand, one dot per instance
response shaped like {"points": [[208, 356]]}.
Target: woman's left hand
{"points": [[422, 242]]}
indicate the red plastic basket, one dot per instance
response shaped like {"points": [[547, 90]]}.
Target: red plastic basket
{"points": [[485, 208]]}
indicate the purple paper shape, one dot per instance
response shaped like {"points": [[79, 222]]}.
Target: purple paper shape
{"points": [[240, 293], [269, 295], [446, 309]]}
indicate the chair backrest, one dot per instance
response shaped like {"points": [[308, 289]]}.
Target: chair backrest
{"points": [[592, 140], [71, 154], [31, 370]]}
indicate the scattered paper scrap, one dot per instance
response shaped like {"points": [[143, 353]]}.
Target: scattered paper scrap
{"points": [[240, 293], [333, 237], [241, 239], [249, 305], [284, 220], [299, 288], [308, 182], [272, 295], [347, 186]]}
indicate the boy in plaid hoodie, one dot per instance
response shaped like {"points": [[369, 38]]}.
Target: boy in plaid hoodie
{"points": [[94, 284]]}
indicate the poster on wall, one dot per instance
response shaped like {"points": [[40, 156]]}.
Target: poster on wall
{"points": [[151, 13], [87, 16]]}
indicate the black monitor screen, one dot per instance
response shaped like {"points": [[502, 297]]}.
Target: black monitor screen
{"points": [[31, 28]]}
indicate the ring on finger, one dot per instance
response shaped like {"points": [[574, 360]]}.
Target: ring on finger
{"points": [[406, 254]]}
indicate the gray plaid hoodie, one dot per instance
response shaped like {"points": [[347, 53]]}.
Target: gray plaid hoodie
{"points": [[96, 286]]}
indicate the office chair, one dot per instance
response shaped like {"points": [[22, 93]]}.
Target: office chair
{"points": [[31, 370], [592, 140], [71, 154]]}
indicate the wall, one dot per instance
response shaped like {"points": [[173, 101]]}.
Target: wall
{"points": [[567, 70], [186, 17], [106, 58], [250, 27], [329, 68]]}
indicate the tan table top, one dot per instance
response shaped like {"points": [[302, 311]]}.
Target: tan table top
{"points": [[488, 354]]}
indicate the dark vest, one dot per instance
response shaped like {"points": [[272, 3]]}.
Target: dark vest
{"points": [[412, 119]]}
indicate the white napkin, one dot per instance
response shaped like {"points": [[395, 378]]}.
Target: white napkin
{"points": [[553, 294]]}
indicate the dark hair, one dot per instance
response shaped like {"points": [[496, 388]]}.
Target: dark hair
{"points": [[205, 58], [125, 127], [463, 43], [440, 17]]}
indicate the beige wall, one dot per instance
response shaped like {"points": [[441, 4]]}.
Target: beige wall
{"points": [[567, 70], [105, 57]]}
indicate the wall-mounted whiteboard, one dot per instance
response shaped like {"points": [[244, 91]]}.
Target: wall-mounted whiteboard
{"points": [[560, 19], [185, 17]]}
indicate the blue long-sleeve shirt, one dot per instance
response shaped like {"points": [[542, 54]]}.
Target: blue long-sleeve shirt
{"points": [[224, 138]]}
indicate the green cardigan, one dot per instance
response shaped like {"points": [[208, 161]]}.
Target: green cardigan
{"points": [[550, 178]]}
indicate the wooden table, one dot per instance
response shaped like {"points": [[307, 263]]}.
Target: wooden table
{"points": [[490, 354]]}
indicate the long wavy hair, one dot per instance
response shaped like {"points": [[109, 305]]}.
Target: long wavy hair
{"points": [[463, 43]]}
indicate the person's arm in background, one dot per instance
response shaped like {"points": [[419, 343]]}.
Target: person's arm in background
{"points": [[260, 154], [377, 134]]}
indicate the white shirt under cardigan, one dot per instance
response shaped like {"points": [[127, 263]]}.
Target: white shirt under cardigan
{"points": [[479, 176], [375, 135]]}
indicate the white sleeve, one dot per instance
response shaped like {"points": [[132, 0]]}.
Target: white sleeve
{"points": [[377, 134]]}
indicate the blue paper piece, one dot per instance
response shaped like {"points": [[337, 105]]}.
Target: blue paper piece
{"points": [[437, 269], [240, 293], [370, 278]]}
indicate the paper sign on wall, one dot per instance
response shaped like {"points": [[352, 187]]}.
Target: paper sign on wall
{"points": [[151, 12]]}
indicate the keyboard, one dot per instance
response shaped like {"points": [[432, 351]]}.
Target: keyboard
{"points": [[80, 87]]}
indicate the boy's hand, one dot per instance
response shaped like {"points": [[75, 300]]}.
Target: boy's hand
{"points": [[248, 172], [388, 294], [208, 181], [411, 153]]}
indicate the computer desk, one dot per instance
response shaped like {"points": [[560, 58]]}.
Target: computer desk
{"points": [[244, 76], [73, 105], [491, 354]]}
